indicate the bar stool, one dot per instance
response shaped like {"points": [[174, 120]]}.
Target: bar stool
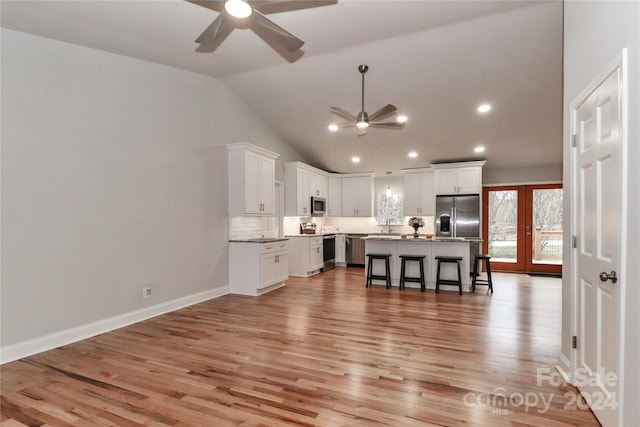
{"points": [[476, 281], [371, 276], [439, 281], [403, 278]]}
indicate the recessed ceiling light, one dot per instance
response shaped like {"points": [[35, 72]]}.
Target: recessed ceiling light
{"points": [[402, 119], [333, 127], [413, 154], [479, 149], [484, 108], [238, 8], [355, 159]]}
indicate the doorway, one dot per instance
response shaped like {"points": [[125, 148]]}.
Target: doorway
{"points": [[523, 228]]}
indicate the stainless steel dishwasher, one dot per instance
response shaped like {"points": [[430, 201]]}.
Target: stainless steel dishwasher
{"points": [[355, 250]]}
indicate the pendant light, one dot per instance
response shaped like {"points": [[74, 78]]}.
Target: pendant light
{"points": [[388, 192]]}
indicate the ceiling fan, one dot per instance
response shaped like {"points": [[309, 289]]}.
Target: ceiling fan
{"points": [[363, 120], [250, 14]]}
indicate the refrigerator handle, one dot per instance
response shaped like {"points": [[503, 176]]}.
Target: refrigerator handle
{"points": [[454, 215]]}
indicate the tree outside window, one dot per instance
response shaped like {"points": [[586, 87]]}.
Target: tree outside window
{"points": [[390, 209]]}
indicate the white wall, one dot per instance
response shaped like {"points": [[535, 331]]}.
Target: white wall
{"points": [[595, 32], [520, 176], [113, 177]]}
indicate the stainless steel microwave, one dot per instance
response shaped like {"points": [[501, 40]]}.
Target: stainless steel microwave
{"points": [[318, 206]]}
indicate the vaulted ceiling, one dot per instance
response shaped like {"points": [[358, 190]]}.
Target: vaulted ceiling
{"points": [[435, 60]]}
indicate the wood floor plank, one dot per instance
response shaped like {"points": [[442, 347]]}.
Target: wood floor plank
{"points": [[322, 351]]}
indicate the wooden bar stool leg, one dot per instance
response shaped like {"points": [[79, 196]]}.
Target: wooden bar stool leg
{"points": [[459, 279], [475, 273], [438, 278], [369, 265], [423, 285], [388, 272], [401, 285], [489, 276]]}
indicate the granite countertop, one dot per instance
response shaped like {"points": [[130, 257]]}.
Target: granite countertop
{"points": [[422, 239], [260, 240]]}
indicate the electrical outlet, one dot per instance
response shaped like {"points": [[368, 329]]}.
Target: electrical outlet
{"points": [[146, 292]]}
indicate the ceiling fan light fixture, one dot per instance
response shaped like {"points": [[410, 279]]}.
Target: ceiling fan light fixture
{"points": [[238, 8], [362, 125]]}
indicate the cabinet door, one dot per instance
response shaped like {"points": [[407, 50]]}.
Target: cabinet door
{"points": [[334, 198], [357, 196], [304, 194], [266, 185], [267, 270], [446, 181], [322, 186], [340, 248], [427, 194], [470, 180], [281, 267], [252, 203], [411, 202], [315, 257]]}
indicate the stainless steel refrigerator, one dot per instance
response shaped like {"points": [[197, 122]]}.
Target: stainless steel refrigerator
{"points": [[459, 216]]}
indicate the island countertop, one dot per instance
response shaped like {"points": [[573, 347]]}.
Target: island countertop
{"points": [[422, 239]]}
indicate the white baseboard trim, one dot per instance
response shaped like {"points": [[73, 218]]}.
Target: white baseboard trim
{"points": [[38, 345], [564, 367]]}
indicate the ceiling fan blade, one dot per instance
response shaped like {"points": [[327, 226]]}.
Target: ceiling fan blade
{"points": [[344, 114], [390, 125], [216, 32], [383, 113], [274, 34], [277, 6], [216, 5]]}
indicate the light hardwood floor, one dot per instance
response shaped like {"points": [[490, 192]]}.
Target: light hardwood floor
{"points": [[322, 351]]}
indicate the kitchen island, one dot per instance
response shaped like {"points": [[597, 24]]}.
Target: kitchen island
{"points": [[430, 248]]}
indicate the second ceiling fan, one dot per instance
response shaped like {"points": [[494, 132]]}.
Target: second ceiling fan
{"points": [[363, 120]]}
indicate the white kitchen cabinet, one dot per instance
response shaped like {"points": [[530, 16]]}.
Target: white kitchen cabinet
{"points": [[341, 249], [458, 178], [419, 194], [357, 196], [306, 255], [301, 183], [251, 180], [257, 268], [318, 185], [334, 198]]}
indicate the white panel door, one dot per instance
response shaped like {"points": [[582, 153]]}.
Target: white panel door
{"points": [[597, 165]]}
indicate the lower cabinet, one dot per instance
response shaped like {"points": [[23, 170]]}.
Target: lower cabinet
{"points": [[306, 255], [341, 249], [257, 268]]}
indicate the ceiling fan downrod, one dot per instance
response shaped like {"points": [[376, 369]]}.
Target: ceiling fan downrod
{"points": [[362, 117]]}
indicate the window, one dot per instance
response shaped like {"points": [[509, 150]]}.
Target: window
{"points": [[390, 209]]}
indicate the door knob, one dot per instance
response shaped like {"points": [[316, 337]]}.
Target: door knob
{"points": [[611, 276]]}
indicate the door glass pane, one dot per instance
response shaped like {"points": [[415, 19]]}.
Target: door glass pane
{"points": [[547, 226], [503, 225]]}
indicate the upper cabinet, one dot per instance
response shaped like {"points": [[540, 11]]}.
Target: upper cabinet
{"points": [[251, 179], [419, 194], [357, 195], [334, 198], [458, 178], [301, 183]]}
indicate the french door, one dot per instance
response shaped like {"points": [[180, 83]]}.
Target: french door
{"points": [[523, 228]]}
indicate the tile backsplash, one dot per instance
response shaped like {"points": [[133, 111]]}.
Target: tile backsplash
{"points": [[355, 225]]}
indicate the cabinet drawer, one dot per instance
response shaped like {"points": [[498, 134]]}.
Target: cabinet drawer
{"points": [[268, 248], [315, 241]]}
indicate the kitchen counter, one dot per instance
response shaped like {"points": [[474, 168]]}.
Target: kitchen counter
{"points": [[430, 248], [260, 240], [421, 239]]}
